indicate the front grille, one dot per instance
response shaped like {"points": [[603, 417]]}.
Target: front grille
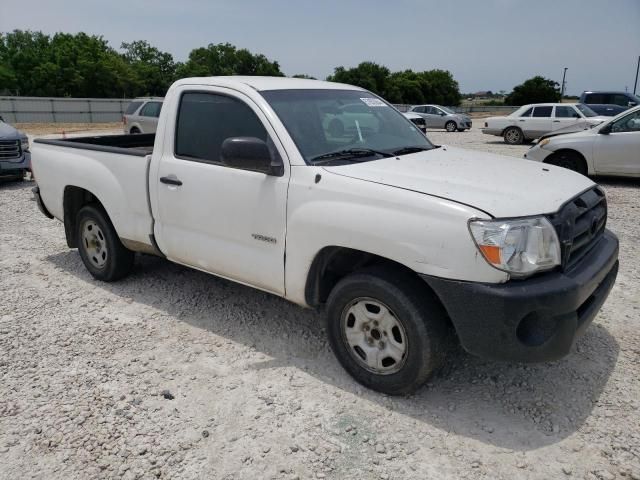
{"points": [[580, 223], [10, 149]]}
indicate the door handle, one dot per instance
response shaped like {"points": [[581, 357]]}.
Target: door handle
{"points": [[521, 120], [170, 181], [556, 121]]}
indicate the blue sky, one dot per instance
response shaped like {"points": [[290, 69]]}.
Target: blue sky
{"points": [[487, 45]]}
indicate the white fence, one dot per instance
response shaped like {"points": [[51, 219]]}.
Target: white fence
{"points": [[61, 110], [102, 110]]}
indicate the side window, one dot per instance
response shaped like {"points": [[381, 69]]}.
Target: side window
{"points": [[621, 100], [133, 106], [542, 112], [594, 98], [630, 123], [566, 112], [205, 120], [431, 110], [527, 113], [151, 109], [419, 109]]}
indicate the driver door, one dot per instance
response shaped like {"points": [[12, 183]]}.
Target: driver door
{"points": [[223, 220], [619, 151]]}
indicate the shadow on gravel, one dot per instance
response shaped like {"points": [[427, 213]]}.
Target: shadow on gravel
{"points": [[513, 406]]}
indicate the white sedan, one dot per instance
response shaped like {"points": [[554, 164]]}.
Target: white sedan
{"points": [[612, 148], [532, 121]]}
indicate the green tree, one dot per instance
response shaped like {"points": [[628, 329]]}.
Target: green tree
{"points": [[369, 75], [153, 71], [535, 90], [225, 59]]}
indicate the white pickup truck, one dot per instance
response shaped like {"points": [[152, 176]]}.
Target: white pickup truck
{"points": [[405, 243]]}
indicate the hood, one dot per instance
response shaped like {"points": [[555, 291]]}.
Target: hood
{"points": [[7, 132], [582, 126], [498, 185]]}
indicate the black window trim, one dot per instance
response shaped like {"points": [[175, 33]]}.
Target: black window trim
{"points": [[221, 94]]}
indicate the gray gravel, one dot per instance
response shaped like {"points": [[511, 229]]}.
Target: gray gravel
{"points": [[172, 373]]}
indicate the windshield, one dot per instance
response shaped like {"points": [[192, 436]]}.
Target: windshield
{"points": [[448, 110], [345, 124], [586, 111]]}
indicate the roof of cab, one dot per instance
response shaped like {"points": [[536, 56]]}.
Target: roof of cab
{"points": [[267, 83]]}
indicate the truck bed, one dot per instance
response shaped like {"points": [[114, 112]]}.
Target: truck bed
{"points": [[138, 145]]}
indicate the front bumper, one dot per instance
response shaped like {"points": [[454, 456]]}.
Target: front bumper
{"points": [[492, 131], [537, 154], [15, 167], [531, 320]]}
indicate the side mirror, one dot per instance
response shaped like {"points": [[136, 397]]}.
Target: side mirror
{"points": [[631, 104], [442, 114], [250, 153], [606, 130]]}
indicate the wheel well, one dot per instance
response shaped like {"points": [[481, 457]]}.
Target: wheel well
{"points": [[331, 264], [74, 199], [511, 126], [555, 155]]}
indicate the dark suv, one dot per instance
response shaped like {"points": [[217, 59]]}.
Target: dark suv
{"points": [[609, 103]]}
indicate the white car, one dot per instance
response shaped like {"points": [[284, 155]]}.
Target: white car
{"points": [[532, 121], [142, 115], [612, 148], [402, 243], [417, 120]]}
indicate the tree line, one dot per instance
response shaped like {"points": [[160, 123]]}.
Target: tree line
{"points": [[82, 65]]}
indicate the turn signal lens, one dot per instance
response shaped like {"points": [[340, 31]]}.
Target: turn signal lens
{"points": [[519, 246]]}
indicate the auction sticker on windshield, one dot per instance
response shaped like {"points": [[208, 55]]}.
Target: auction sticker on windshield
{"points": [[373, 102]]}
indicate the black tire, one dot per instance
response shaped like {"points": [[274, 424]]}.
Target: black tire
{"points": [[450, 126], [134, 130], [569, 160], [513, 136], [423, 321], [110, 260]]}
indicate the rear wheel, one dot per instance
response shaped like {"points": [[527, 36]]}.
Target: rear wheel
{"points": [[569, 160], [134, 130], [450, 126], [386, 329], [513, 136], [100, 247]]}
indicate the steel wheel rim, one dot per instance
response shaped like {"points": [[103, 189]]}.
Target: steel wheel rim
{"points": [[94, 243], [513, 136], [374, 336]]}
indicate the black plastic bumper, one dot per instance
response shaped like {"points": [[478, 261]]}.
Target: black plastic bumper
{"points": [[532, 320]]}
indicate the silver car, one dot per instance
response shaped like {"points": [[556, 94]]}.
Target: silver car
{"points": [[142, 115], [437, 116]]}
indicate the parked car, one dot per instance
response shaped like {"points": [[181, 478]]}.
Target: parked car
{"points": [[609, 103], [142, 115], [532, 121], [401, 242], [612, 148], [438, 116], [352, 119], [15, 157], [417, 120]]}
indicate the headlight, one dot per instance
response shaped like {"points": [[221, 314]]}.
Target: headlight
{"points": [[520, 247], [542, 143], [24, 144]]}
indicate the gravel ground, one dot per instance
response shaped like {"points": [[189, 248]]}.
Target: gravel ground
{"points": [[172, 373]]}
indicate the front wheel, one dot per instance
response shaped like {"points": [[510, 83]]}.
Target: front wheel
{"points": [[569, 160], [450, 126], [100, 247], [386, 329], [513, 136]]}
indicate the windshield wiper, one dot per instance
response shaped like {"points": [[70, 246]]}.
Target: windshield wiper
{"points": [[348, 154], [407, 150]]}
